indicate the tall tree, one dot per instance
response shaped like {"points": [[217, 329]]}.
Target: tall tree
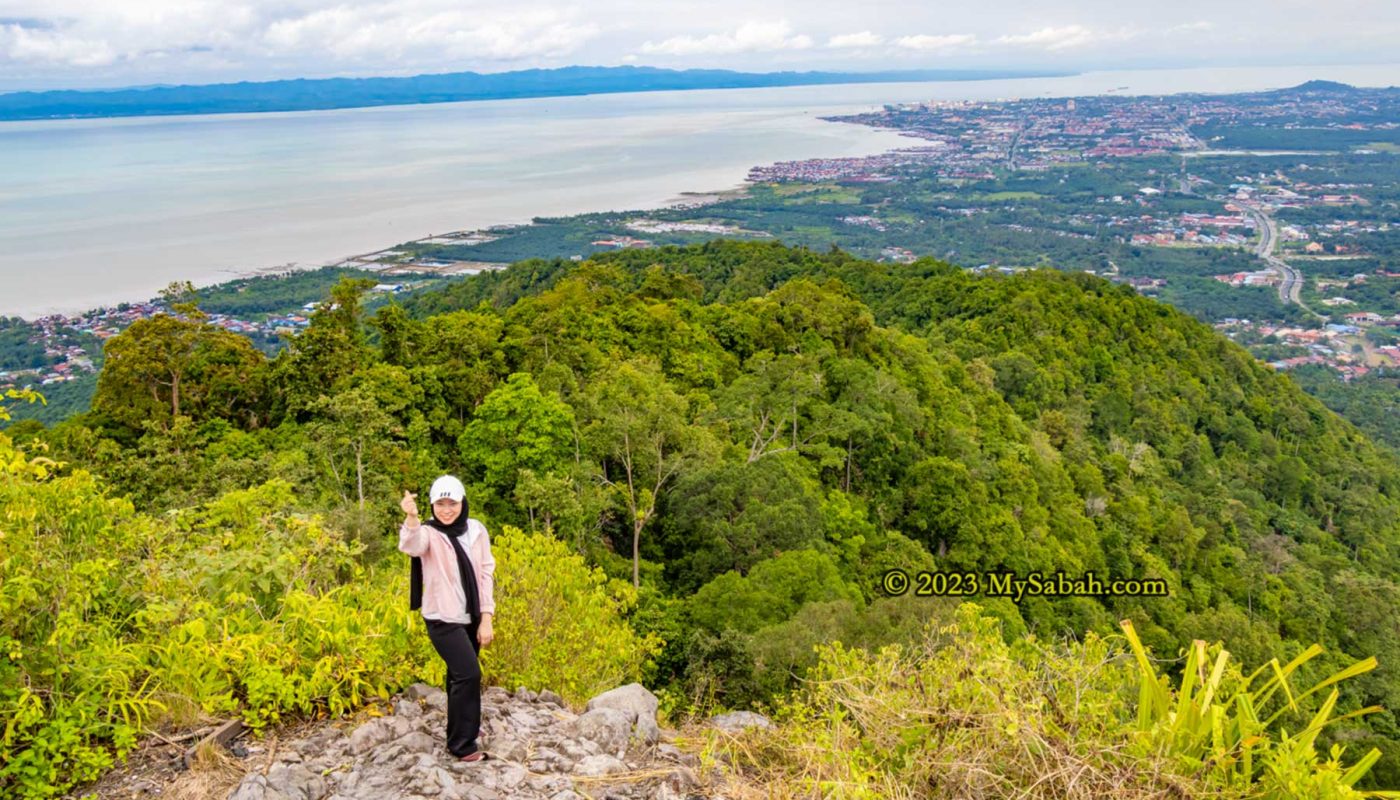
{"points": [[167, 366], [330, 350], [517, 428], [639, 431], [351, 429]]}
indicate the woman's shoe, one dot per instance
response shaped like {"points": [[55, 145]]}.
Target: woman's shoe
{"points": [[479, 755]]}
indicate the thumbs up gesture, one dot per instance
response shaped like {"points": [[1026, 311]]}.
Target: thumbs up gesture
{"points": [[409, 505]]}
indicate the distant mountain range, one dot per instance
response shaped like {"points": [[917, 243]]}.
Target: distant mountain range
{"points": [[306, 95]]}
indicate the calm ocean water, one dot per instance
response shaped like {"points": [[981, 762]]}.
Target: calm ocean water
{"points": [[95, 212]]}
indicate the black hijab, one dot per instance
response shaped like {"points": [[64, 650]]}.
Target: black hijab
{"points": [[454, 533]]}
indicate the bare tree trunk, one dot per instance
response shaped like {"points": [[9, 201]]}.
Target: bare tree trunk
{"points": [[174, 396], [632, 506], [360, 475], [847, 486], [794, 424], [636, 554], [335, 473]]}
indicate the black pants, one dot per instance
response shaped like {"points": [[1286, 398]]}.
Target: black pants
{"points": [[457, 644]]}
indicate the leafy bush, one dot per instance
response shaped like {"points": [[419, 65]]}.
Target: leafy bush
{"points": [[560, 622], [772, 592], [1223, 726], [71, 682], [962, 713], [113, 621]]}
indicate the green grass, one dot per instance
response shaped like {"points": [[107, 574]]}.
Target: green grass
{"points": [[826, 196], [1010, 196], [790, 189]]}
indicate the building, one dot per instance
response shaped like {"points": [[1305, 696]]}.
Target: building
{"points": [[1358, 317]]}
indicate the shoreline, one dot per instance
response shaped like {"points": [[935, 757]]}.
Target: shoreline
{"points": [[291, 233], [684, 199], [350, 192], [253, 105]]}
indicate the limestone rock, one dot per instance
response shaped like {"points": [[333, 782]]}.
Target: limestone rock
{"points": [[638, 703], [538, 749], [420, 691], [417, 742], [254, 787], [602, 764], [508, 747], [647, 730], [633, 698], [609, 727], [369, 735], [296, 782], [736, 721]]}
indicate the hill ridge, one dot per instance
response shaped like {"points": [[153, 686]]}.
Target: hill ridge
{"points": [[310, 94]]}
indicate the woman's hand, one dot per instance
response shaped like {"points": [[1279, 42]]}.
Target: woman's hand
{"points": [[484, 634], [409, 505]]}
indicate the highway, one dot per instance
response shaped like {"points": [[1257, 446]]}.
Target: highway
{"points": [[1291, 287]]}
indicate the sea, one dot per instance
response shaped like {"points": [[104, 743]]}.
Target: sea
{"points": [[97, 212]]}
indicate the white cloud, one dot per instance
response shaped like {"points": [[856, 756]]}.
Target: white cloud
{"points": [[1061, 38], [751, 37], [381, 34], [91, 35], [1200, 26], [44, 45], [400, 30], [56, 43], [862, 39], [930, 43]]}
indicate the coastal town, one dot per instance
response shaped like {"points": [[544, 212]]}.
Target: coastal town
{"points": [[970, 139], [67, 348], [71, 345], [1248, 193], [1307, 220], [1341, 346]]}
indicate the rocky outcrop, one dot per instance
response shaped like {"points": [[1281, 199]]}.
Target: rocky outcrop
{"points": [[737, 721], [539, 750], [638, 704]]}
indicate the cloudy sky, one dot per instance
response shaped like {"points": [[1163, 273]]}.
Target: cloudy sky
{"points": [[99, 43]]}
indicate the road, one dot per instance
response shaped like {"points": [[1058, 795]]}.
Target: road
{"points": [[1011, 151], [1290, 289]]}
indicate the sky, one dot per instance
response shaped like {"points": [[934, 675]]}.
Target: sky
{"points": [[48, 44]]}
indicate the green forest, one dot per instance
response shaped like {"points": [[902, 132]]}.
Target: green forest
{"points": [[697, 464]]}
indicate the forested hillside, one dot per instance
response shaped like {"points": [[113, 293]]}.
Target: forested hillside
{"points": [[745, 438]]}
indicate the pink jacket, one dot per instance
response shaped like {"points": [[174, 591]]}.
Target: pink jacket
{"points": [[443, 598]]}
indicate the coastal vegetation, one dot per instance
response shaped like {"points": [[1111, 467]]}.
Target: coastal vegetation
{"points": [[1116, 186]]}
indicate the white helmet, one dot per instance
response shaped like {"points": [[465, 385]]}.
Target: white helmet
{"points": [[446, 488]]}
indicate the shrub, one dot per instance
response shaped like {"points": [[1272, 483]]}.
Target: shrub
{"points": [[964, 714], [560, 622], [112, 621]]}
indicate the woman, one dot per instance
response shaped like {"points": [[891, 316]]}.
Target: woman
{"points": [[452, 578]]}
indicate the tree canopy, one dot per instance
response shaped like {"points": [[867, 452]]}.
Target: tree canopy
{"points": [[751, 435]]}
